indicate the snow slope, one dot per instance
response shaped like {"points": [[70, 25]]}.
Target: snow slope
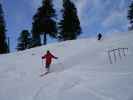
{"points": [[82, 72]]}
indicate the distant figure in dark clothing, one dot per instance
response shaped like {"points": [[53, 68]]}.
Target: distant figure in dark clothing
{"points": [[99, 36]]}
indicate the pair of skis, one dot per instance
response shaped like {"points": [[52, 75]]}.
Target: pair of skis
{"points": [[43, 74]]}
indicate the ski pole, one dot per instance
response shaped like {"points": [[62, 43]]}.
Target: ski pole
{"points": [[42, 66], [42, 63]]}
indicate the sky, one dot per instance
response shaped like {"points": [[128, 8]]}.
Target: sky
{"points": [[105, 16]]}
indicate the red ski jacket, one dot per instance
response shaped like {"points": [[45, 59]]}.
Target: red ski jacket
{"points": [[48, 58]]}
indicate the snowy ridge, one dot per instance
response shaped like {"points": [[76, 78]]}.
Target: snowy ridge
{"points": [[82, 72]]}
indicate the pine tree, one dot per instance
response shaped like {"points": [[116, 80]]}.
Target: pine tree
{"points": [[3, 44], [24, 41], [130, 15], [69, 26], [43, 22], [36, 40]]}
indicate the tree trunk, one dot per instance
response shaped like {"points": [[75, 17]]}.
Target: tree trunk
{"points": [[8, 41], [45, 39]]}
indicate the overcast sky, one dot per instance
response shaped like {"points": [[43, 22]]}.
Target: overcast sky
{"points": [[106, 16]]}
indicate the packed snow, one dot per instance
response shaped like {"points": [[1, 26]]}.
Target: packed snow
{"points": [[82, 71]]}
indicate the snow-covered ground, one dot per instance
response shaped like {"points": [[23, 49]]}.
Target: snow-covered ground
{"points": [[82, 72]]}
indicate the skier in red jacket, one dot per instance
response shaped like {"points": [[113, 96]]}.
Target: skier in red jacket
{"points": [[48, 56]]}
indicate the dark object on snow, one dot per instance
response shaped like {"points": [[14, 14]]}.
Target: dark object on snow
{"points": [[99, 36], [48, 56]]}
